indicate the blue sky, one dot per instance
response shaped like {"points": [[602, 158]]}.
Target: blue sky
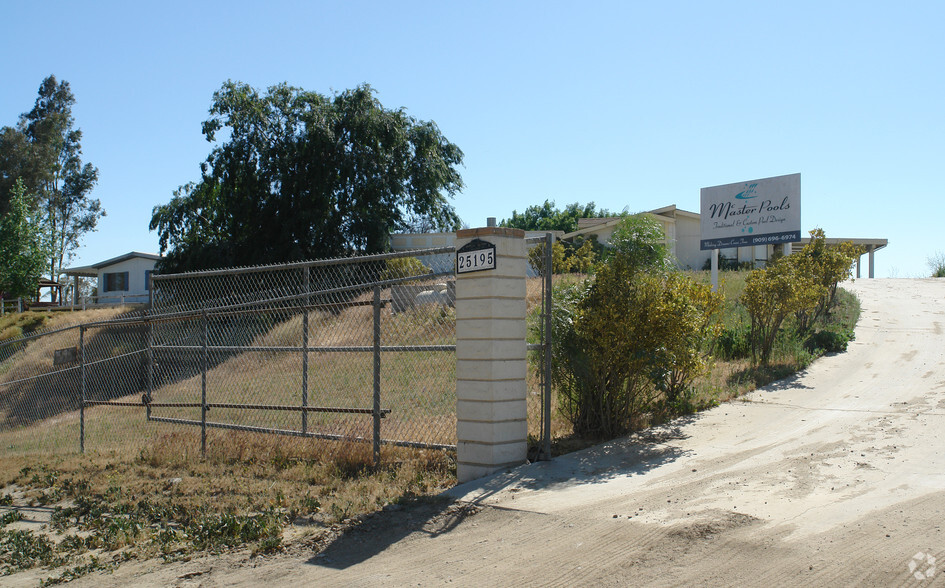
{"points": [[631, 105]]}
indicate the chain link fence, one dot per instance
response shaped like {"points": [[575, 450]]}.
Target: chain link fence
{"points": [[350, 351]]}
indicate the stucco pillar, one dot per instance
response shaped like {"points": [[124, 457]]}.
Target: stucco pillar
{"points": [[871, 251], [491, 427]]}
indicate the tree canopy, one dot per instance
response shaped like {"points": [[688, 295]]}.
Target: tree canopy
{"points": [[23, 245], [300, 175], [546, 217], [44, 151]]}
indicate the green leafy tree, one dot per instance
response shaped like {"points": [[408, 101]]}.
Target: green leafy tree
{"points": [[44, 151], [787, 286], [546, 217], [23, 246], [301, 175], [829, 266]]}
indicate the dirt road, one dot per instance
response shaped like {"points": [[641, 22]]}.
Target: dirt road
{"points": [[834, 477]]}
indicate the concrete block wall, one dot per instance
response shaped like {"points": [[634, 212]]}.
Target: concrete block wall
{"points": [[491, 424]]}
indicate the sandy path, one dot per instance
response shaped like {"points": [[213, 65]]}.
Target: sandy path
{"points": [[834, 477]]}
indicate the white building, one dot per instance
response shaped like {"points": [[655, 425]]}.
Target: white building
{"points": [[683, 237], [122, 279]]}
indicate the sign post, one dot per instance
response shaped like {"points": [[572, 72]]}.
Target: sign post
{"points": [[745, 214]]}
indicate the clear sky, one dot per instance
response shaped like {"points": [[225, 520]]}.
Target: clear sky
{"points": [[631, 105]]}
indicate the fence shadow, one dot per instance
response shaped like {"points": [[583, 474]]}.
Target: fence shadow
{"points": [[376, 532], [29, 397]]}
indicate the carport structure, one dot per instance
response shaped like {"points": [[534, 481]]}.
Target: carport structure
{"points": [[869, 247]]}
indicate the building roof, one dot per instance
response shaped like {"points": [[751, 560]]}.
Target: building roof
{"points": [[92, 270], [591, 225], [869, 244]]}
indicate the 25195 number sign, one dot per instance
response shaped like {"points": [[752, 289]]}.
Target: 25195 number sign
{"points": [[475, 256]]}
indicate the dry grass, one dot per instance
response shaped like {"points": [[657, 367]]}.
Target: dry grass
{"points": [[162, 500]]}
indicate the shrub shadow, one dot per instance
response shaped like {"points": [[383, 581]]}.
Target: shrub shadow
{"points": [[628, 456]]}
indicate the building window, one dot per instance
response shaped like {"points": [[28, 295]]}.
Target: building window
{"points": [[116, 282], [147, 279]]}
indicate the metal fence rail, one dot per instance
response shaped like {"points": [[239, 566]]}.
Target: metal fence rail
{"points": [[306, 350]]}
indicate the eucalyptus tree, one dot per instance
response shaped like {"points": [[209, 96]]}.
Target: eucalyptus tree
{"points": [[44, 151]]}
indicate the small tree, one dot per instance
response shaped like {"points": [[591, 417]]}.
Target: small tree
{"points": [[640, 240], [772, 294], [634, 336], [23, 245], [45, 151], [828, 265], [566, 257], [687, 316]]}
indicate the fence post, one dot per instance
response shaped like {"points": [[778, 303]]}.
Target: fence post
{"points": [[19, 305], [377, 375], [150, 313], [306, 285], [203, 387], [82, 389], [546, 351], [491, 422]]}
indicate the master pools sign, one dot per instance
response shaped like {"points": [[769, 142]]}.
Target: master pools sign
{"points": [[758, 212]]}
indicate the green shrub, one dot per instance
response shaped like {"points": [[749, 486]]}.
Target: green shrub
{"points": [[803, 285], [583, 254], [937, 265], [403, 267], [578, 257], [770, 296], [828, 341], [631, 341], [828, 265], [641, 242], [733, 343], [560, 264]]}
